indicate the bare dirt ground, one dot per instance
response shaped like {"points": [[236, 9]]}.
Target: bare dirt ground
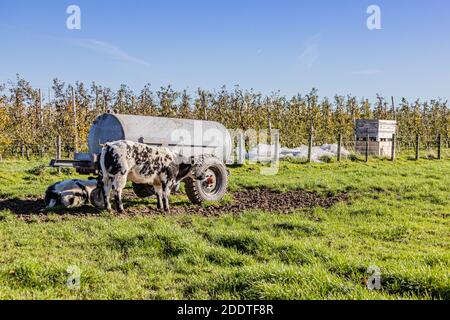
{"points": [[254, 199]]}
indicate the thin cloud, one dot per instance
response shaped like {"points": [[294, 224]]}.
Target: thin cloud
{"points": [[92, 44], [310, 53], [367, 72], [108, 49]]}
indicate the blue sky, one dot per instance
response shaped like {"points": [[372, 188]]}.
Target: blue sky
{"points": [[283, 45]]}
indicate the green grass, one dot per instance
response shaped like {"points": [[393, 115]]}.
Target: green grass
{"points": [[20, 179], [397, 219]]}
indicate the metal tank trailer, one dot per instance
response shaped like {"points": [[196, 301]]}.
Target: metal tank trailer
{"points": [[207, 144]]}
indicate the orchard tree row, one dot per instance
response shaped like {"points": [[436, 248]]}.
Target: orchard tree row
{"points": [[31, 120]]}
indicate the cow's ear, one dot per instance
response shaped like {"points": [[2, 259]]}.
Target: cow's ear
{"points": [[183, 170]]}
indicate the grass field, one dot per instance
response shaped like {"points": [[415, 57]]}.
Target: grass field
{"points": [[396, 218]]}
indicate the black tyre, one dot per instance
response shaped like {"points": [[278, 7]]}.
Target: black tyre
{"points": [[213, 187], [143, 190]]}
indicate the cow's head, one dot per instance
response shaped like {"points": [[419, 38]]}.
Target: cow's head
{"points": [[191, 170], [183, 167]]}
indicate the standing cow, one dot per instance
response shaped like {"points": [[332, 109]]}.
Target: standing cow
{"points": [[142, 164]]}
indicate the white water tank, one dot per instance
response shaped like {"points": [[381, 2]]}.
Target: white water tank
{"points": [[187, 137]]}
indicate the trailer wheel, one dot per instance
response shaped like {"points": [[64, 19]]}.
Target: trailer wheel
{"points": [[213, 187], [143, 190]]}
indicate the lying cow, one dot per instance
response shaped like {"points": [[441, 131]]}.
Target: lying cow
{"points": [[69, 193], [142, 164]]}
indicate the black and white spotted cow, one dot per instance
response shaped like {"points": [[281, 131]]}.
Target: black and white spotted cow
{"points": [[69, 193], [142, 164]]}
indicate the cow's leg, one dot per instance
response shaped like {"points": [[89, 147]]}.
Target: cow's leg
{"points": [[107, 185], [118, 186], [159, 197], [166, 195], [118, 201]]}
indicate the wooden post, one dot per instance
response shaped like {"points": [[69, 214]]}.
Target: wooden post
{"points": [[339, 147], [439, 145], [105, 105], [204, 103], [241, 148], [58, 150], [417, 146], [96, 99], [143, 104], [41, 122], [367, 147], [41, 118], [276, 141], [310, 144], [310, 137], [75, 120], [393, 147], [394, 110], [269, 127]]}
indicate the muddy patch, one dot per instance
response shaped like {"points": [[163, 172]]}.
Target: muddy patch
{"points": [[266, 200], [243, 200], [22, 206]]}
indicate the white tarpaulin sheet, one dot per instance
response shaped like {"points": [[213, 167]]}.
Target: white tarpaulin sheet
{"points": [[266, 152]]}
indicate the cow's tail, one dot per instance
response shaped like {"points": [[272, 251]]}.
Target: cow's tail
{"points": [[104, 177], [104, 171]]}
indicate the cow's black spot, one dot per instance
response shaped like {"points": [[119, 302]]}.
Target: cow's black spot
{"points": [[52, 188], [183, 170], [52, 195], [111, 161]]}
